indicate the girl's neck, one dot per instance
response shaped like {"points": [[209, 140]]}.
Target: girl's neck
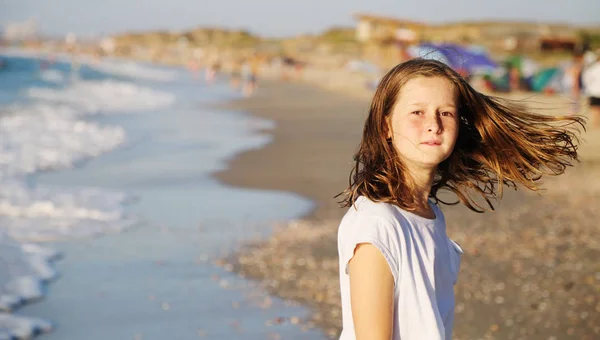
{"points": [[423, 179], [422, 207]]}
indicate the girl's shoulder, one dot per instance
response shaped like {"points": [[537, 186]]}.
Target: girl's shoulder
{"points": [[365, 211], [363, 206]]}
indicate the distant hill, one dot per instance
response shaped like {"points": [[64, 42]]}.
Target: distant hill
{"points": [[342, 40], [217, 37]]}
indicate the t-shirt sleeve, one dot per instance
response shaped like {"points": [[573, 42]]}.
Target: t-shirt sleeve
{"points": [[376, 231]]}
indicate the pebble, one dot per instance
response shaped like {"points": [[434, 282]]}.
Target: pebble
{"points": [[529, 271]]}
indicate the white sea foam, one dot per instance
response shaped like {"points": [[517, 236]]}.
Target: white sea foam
{"points": [[46, 136], [24, 270], [52, 76], [133, 70], [50, 132], [45, 213], [21, 327], [105, 96]]}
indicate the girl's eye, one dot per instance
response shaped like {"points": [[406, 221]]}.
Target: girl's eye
{"points": [[446, 114], [416, 112]]}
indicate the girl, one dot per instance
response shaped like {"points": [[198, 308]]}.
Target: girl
{"points": [[427, 130]]}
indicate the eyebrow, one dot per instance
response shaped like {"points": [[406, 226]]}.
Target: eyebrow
{"points": [[425, 104]]}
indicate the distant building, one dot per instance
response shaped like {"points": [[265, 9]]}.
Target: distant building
{"points": [[515, 37], [568, 44], [373, 28], [20, 31], [558, 39], [384, 40]]}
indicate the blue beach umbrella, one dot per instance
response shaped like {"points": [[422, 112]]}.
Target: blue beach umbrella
{"points": [[462, 58], [427, 51]]}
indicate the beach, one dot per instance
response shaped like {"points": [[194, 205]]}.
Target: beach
{"points": [[529, 270], [275, 162], [182, 178]]}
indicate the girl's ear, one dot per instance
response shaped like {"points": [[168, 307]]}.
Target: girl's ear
{"points": [[388, 128]]}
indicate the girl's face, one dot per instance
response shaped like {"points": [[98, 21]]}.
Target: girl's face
{"points": [[424, 122]]}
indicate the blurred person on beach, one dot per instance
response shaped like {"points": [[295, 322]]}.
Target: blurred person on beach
{"points": [[429, 130], [193, 66], [212, 71], [299, 69], [573, 80], [210, 74], [591, 81], [236, 74], [195, 63], [514, 77], [288, 64], [249, 75], [589, 56]]}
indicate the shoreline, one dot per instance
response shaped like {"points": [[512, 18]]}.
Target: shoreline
{"points": [[315, 152], [300, 174], [172, 253]]}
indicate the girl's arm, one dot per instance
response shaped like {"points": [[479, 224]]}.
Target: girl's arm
{"points": [[371, 293]]}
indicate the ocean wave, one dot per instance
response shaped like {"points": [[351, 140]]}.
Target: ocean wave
{"points": [[47, 130], [24, 271], [104, 96], [133, 70]]}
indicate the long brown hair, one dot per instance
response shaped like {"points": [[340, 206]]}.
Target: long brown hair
{"points": [[499, 143]]}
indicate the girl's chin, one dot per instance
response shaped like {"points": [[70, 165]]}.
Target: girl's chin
{"points": [[429, 162]]}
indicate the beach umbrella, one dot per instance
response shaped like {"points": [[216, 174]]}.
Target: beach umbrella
{"points": [[544, 78], [427, 51], [473, 60]]}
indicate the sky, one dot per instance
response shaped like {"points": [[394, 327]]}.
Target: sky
{"points": [[276, 18]]}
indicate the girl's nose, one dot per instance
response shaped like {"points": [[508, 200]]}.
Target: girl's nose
{"points": [[434, 124]]}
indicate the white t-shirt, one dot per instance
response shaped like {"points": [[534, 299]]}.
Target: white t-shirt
{"points": [[423, 261]]}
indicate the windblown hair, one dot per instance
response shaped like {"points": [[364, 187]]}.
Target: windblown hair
{"points": [[499, 143]]}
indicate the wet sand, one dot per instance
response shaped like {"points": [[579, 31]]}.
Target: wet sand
{"points": [[530, 268], [316, 134]]}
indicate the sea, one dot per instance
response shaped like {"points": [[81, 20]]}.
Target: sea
{"points": [[111, 225]]}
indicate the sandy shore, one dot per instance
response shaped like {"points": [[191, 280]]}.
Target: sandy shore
{"points": [[530, 269], [315, 136]]}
